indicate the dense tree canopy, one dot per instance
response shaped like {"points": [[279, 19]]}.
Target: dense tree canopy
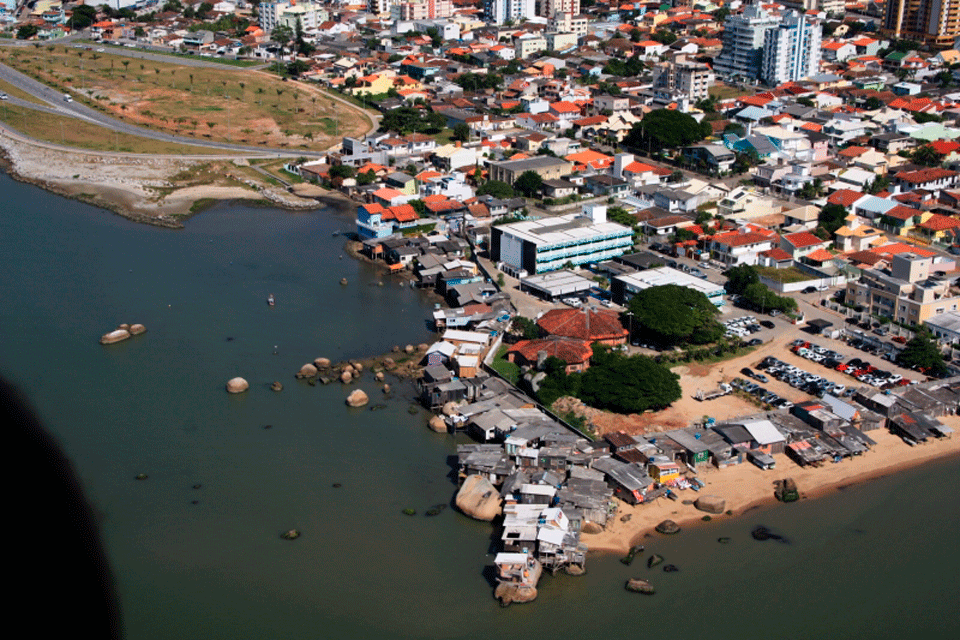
{"points": [[763, 299], [613, 382], [922, 353], [529, 183], [478, 81], [496, 188], [666, 129], [739, 278], [831, 217], [410, 119], [671, 314], [927, 156], [627, 384], [82, 16]]}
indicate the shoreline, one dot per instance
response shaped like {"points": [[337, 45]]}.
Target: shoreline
{"points": [[149, 190], [747, 488]]}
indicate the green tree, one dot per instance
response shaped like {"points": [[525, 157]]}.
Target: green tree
{"points": [[672, 314], [622, 384], [461, 131], [927, 156], [82, 16], [27, 31], [281, 34], [341, 171], [367, 177], [922, 354], [529, 183], [832, 217], [873, 103], [497, 189], [666, 129], [297, 67], [664, 36], [524, 328], [739, 278], [760, 297], [621, 216]]}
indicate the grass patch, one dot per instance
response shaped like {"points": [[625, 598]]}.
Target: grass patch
{"points": [[420, 229], [202, 205], [16, 92], [72, 132], [222, 104], [508, 370], [723, 91], [790, 274]]}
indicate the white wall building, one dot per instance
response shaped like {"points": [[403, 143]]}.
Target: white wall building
{"points": [[743, 36], [792, 50], [499, 11], [273, 14]]}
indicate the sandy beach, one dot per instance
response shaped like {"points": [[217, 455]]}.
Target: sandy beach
{"points": [[745, 486]]}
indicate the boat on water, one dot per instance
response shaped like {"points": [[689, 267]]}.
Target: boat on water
{"points": [[270, 300]]}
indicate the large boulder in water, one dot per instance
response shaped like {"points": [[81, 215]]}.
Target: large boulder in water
{"points": [[322, 363], [237, 385], [508, 593], [357, 398], [118, 335], [711, 504], [478, 498], [346, 376], [668, 527], [307, 371], [136, 329], [437, 424], [449, 409]]}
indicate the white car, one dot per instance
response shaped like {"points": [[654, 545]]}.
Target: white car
{"points": [[3, 96], [67, 97]]}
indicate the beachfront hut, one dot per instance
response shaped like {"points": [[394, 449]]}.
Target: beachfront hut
{"points": [[694, 450], [912, 427], [766, 438], [663, 472], [628, 481], [738, 437]]}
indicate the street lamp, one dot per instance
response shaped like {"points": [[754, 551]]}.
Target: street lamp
{"points": [[630, 332]]}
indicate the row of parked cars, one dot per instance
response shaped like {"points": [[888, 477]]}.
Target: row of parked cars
{"points": [[764, 395], [803, 380], [744, 326], [862, 370]]}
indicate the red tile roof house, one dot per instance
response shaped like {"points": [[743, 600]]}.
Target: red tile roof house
{"points": [[575, 353], [376, 221], [801, 243], [933, 179], [741, 247], [588, 324]]}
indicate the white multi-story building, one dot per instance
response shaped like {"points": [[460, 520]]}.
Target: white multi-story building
{"points": [[743, 36], [421, 9], [499, 11], [287, 12], [682, 78], [563, 22], [792, 50], [550, 8]]}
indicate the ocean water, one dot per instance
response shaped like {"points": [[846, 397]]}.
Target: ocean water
{"points": [[878, 560]]}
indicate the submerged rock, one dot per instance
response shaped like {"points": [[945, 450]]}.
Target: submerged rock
{"points": [[667, 527], [276, 386], [292, 534], [638, 585], [670, 568], [654, 560], [509, 593], [237, 385], [478, 498]]}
